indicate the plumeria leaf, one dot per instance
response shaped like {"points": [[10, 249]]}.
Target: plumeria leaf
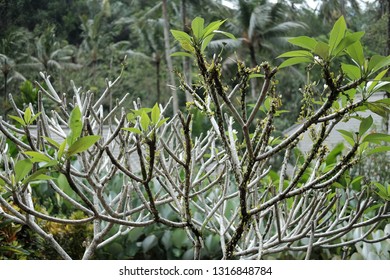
{"points": [[304, 42], [181, 54], [22, 168], [365, 125], [348, 136], [37, 156], [376, 138], [75, 125], [82, 144], [337, 33], [133, 130], [19, 120], [298, 53], [155, 115], [294, 60], [197, 27]]}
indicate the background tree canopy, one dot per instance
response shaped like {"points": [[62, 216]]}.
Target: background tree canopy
{"points": [[164, 52], [88, 40]]}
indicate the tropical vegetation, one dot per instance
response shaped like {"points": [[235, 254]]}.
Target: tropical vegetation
{"points": [[154, 129]]}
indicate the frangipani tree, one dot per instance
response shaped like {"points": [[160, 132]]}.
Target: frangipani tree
{"points": [[223, 183]]}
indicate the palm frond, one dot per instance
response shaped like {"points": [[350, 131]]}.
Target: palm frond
{"points": [[225, 43], [285, 27], [54, 64], [135, 54]]}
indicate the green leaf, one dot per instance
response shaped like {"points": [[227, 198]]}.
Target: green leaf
{"points": [[355, 51], [365, 125], [35, 117], [322, 50], [377, 62], [299, 53], [381, 86], [379, 109], [37, 156], [357, 180], [19, 120], [197, 26], [383, 192], [380, 149], [155, 115], [376, 138], [181, 36], [184, 39], [187, 46], [352, 71], [42, 177], [13, 250], [304, 42], [133, 130], [131, 117], [160, 123], [51, 141], [267, 103], [227, 34], [209, 29], [385, 101], [376, 80], [178, 238], [22, 168], [348, 136], [82, 144], [181, 54], [338, 185], [62, 181], [75, 125], [337, 33], [348, 40], [294, 60], [37, 176], [27, 115], [139, 112], [61, 150], [50, 163], [206, 42], [144, 121], [336, 105]]}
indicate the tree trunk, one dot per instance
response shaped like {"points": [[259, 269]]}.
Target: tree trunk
{"points": [[186, 60], [387, 121], [388, 28], [5, 88], [158, 78], [254, 81], [168, 57]]}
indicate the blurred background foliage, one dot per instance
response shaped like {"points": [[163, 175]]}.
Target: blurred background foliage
{"points": [[91, 41]]}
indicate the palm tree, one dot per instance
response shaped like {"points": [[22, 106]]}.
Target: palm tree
{"points": [[8, 69], [52, 55], [148, 27], [12, 58], [261, 27], [189, 9], [168, 57], [95, 33], [331, 10], [149, 32]]}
